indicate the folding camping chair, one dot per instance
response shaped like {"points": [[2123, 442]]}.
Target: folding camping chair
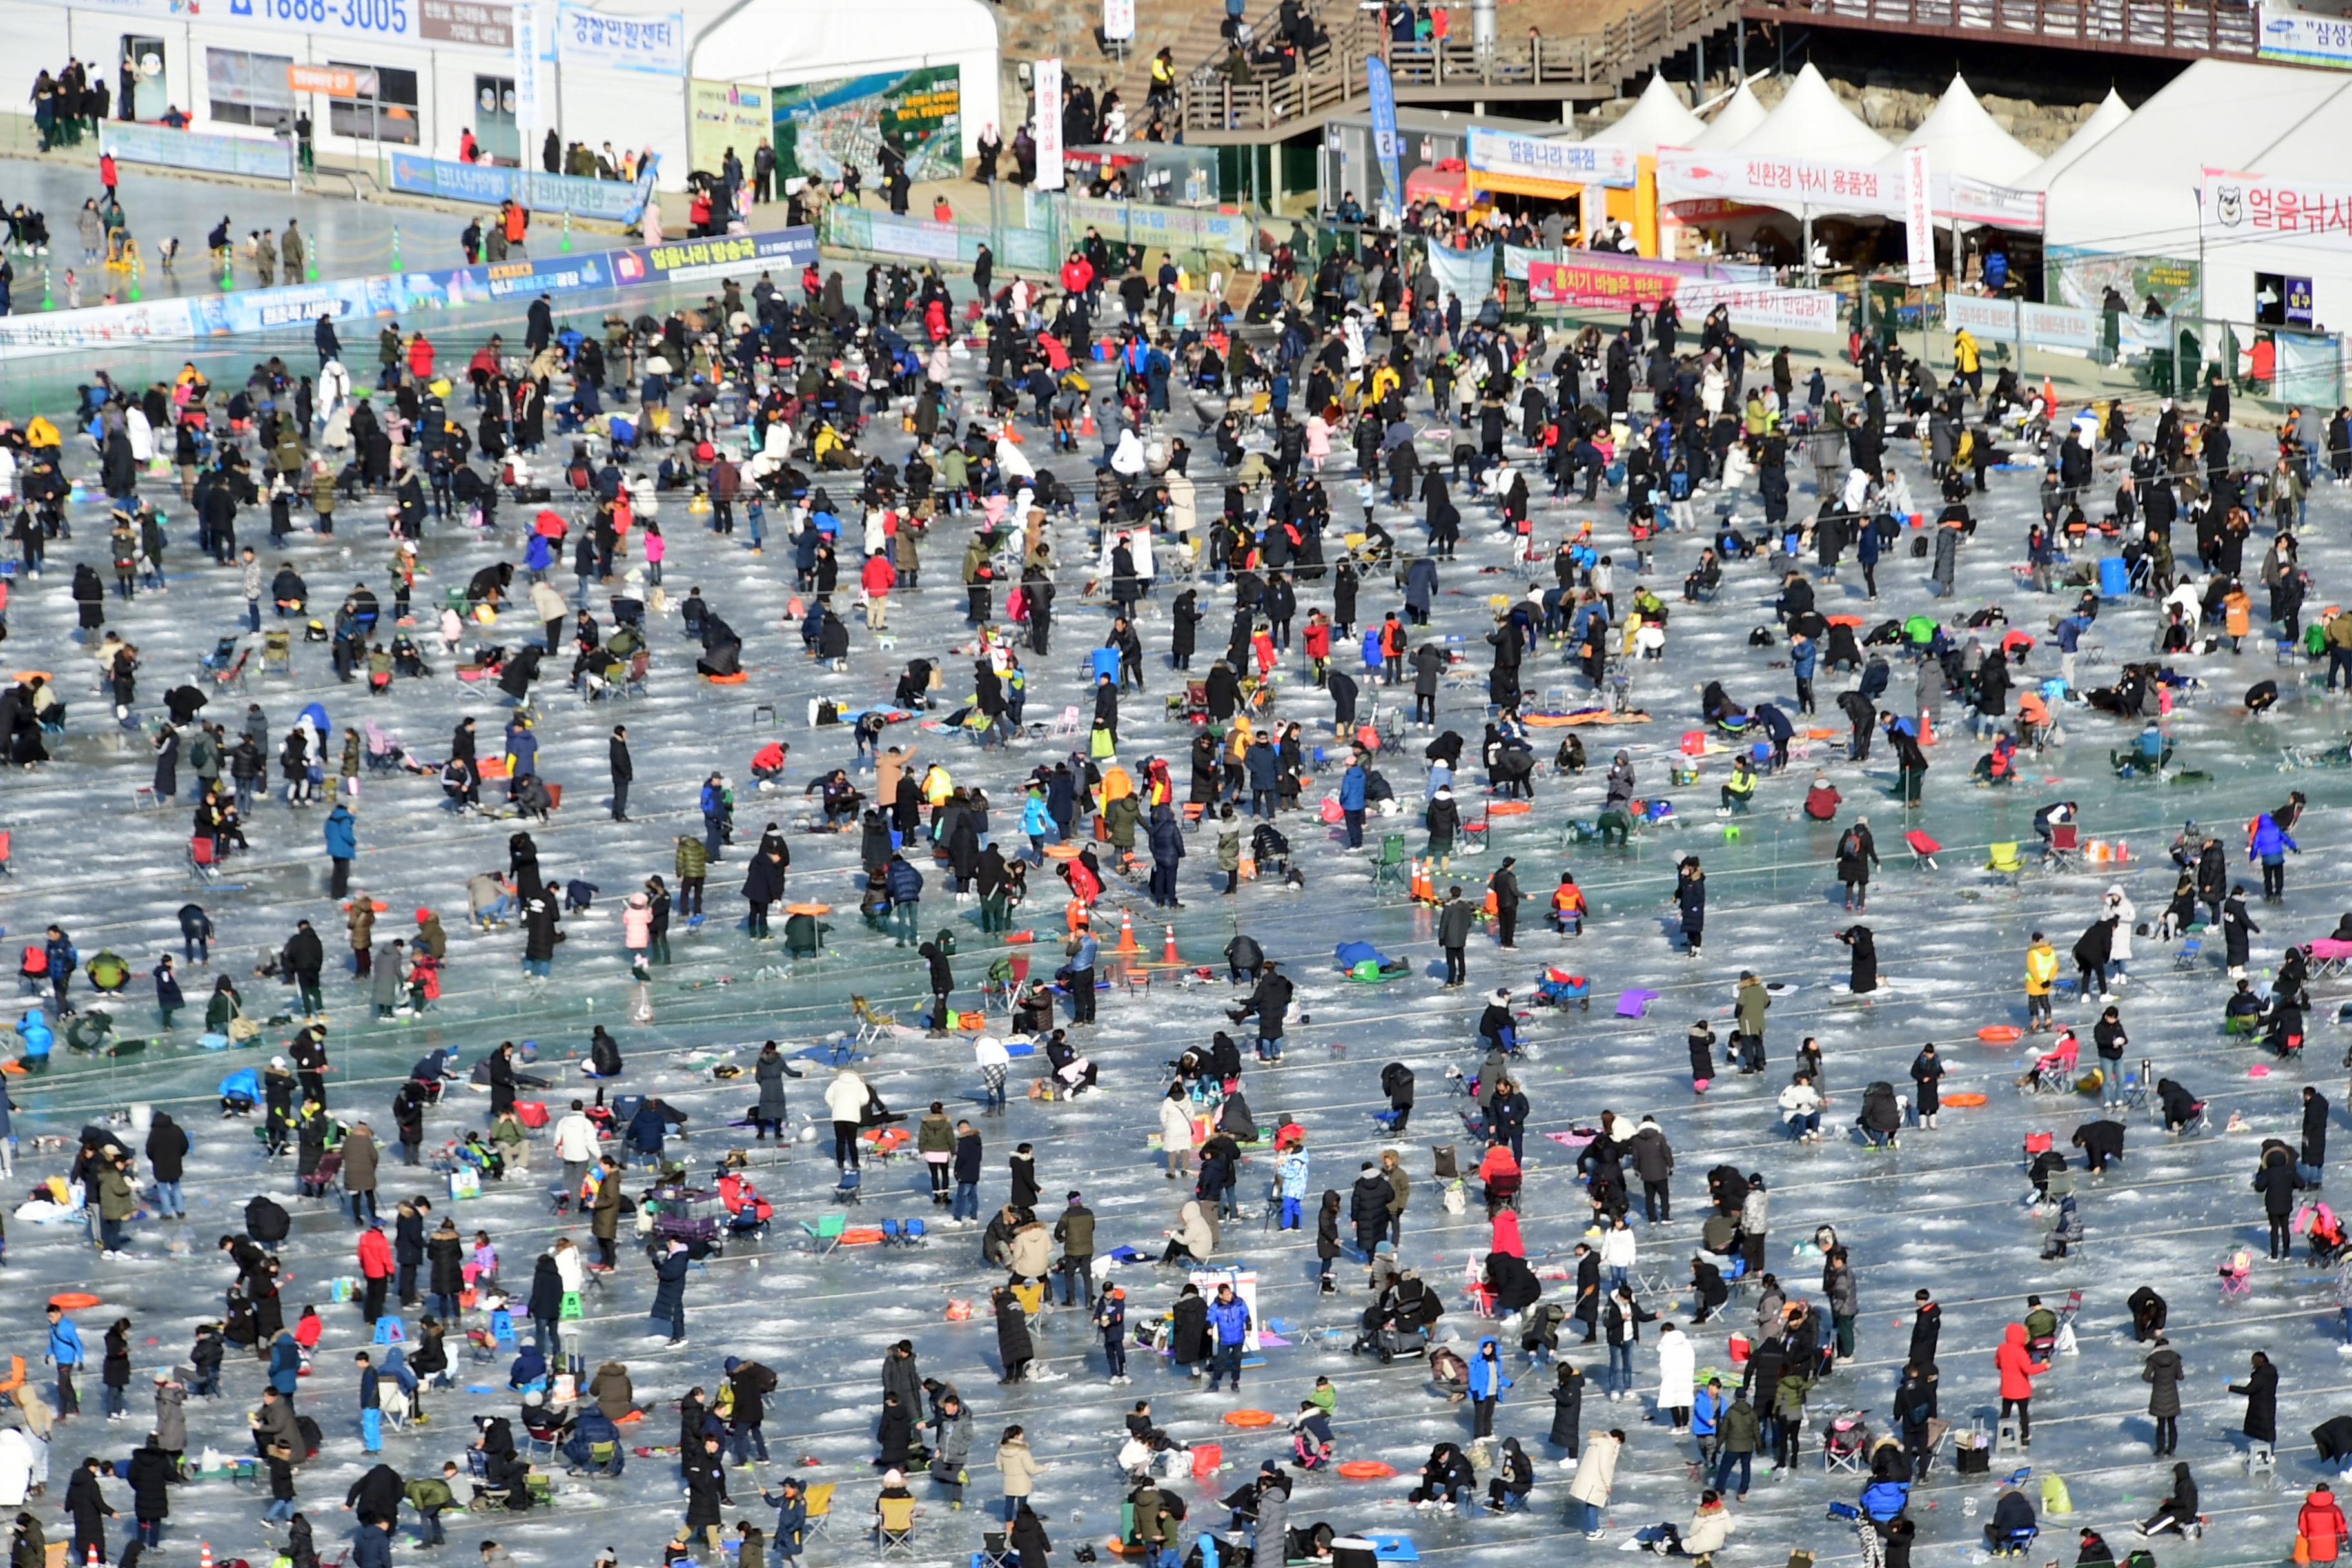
{"points": [[2191, 950], [818, 1501], [1444, 1167], [826, 1234], [202, 866], [1390, 867], [2006, 865], [894, 1526], [872, 1024], [2329, 958], [1924, 849], [2065, 850], [994, 1552]]}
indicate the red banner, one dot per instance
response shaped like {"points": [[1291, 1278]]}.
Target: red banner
{"points": [[1599, 283]]}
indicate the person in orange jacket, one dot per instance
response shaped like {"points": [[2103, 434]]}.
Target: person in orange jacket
{"points": [[2018, 1370], [2321, 1524], [1568, 906]]}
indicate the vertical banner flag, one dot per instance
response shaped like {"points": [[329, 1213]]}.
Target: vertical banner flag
{"points": [[1047, 88], [1918, 218], [1384, 136]]}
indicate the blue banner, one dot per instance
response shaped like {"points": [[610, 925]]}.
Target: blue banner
{"points": [[487, 185], [403, 294], [270, 158], [1384, 136]]}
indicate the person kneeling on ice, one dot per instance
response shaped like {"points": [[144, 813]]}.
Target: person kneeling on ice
{"points": [[1709, 1530]]}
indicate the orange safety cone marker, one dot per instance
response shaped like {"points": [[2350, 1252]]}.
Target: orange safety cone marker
{"points": [[1087, 423], [1927, 731], [203, 1554], [1126, 942], [1167, 950]]}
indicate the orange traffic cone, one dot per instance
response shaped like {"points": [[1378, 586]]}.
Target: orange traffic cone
{"points": [[203, 1554], [1087, 423], [1126, 942], [1927, 731], [94, 1561], [1167, 950]]}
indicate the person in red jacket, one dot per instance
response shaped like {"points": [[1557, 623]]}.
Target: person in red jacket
{"points": [[2018, 1370], [375, 1267], [878, 577], [1318, 642], [2321, 1524]]}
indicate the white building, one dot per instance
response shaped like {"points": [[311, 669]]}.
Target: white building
{"points": [[423, 72]]}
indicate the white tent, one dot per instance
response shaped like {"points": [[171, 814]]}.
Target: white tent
{"points": [[2134, 194], [1657, 118], [2111, 112], [1961, 139], [1809, 122], [1734, 122]]}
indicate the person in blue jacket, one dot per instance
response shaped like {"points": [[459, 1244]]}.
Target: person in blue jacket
{"points": [[1167, 849], [65, 1352], [1352, 785], [904, 885], [1229, 1324], [342, 847], [285, 1362], [1488, 1381], [2269, 844]]}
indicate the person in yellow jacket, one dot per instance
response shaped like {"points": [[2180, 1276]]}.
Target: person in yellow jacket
{"points": [[1967, 363], [2041, 978]]}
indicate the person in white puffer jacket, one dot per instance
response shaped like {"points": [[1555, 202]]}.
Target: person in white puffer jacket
{"points": [[845, 1097]]}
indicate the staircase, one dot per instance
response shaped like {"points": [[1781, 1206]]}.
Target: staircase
{"points": [[1596, 64]]}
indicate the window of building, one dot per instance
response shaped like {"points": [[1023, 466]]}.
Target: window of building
{"points": [[384, 109], [247, 88]]}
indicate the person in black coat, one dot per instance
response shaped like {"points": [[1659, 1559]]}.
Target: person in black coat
{"points": [[1514, 1284], [1029, 1538], [2149, 1313], [1013, 1344], [1864, 977], [87, 1508], [152, 1474], [2102, 1144], [2313, 1158], [1367, 1207], [1327, 1239], [2261, 1389], [546, 1302], [379, 1491], [1568, 1411], [623, 770], [1188, 1338], [1587, 1311]]}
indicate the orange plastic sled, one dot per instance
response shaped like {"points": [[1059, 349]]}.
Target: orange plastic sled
{"points": [[1367, 1470], [82, 1301], [1965, 1102], [1249, 1418], [862, 1236], [2000, 1035], [738, 678], [1508, 807]]}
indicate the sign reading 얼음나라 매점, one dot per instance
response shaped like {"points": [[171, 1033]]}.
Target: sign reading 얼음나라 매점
{"points": [[653, 45], [1539, 165]]}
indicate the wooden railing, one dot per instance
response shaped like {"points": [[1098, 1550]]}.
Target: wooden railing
{"points": [[2144, 25], [1602, 62]]}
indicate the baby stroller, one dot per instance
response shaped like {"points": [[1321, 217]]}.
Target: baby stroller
{"points": [[2054, 1070], [2322, 1230], [1846, 1444]]}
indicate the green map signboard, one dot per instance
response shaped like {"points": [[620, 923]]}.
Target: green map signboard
{"points": [[822, 125]]}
